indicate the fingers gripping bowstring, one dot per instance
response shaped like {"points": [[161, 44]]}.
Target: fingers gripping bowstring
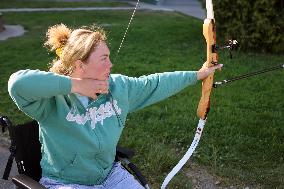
{"points": [[128, 26]]}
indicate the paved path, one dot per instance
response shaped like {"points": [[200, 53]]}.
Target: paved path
{"points": [[11, 31], [188, 7]]}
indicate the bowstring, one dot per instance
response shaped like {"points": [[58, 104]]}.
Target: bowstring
{"points": [[120, 122], [127, 28]]}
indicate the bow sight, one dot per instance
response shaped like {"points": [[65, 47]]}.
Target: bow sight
{"points": [[232, 43]]}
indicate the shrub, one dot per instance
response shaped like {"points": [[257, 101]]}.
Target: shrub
{"points": [[257, 25]]}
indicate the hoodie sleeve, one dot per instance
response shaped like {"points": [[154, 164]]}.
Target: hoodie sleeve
{"points": [[147, 90], [32, 91]]}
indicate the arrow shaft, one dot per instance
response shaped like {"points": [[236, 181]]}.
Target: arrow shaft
{"points": [[244, 76]]}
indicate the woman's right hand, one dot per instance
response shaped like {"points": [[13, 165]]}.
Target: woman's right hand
{"points": [[89, 87]]}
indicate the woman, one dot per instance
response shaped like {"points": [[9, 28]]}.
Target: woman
{"points": [[81, 108]]}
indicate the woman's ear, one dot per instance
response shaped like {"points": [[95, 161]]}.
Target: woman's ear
{"points": [[79, 66]]}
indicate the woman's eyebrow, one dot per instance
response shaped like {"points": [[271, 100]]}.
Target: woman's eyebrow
{"points": [[104, 55]]}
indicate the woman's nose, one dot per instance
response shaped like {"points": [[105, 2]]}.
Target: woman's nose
{"points": [[110, 64]]}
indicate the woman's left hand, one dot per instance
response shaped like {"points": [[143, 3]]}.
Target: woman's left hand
{"points": [[205, 71]]}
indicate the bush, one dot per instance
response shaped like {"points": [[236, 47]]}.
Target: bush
{"points": [[257, 25]]}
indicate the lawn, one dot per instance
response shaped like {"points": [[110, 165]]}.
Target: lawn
{"points": [[53, 3], [243, 141]]}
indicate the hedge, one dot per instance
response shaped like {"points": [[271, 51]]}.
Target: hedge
{"points": [[258, 25]]}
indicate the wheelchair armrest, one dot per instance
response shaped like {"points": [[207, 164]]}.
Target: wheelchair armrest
{"points": [[25, 182], [124, 153]]}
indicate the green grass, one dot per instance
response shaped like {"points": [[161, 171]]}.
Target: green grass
{"points": [[53, 3], [243, 141]]}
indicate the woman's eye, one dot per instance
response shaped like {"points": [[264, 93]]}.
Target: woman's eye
{"points": [[105, 58]]}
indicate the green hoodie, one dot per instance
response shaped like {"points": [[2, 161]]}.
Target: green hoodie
{"points": [[78, 143]]}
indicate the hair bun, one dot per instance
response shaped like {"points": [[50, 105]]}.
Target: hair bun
{"points": [[57, 36]]}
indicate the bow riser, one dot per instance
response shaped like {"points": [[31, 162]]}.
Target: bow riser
{"points": [[209, 34]]}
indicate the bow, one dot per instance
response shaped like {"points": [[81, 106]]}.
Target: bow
{"points": [[209, 32]]}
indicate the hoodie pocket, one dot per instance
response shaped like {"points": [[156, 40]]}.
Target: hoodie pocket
{"points": [[83, 169]]}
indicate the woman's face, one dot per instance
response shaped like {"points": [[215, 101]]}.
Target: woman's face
{"points": [[98, 65]]}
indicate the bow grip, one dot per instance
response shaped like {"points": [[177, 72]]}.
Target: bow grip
{"points": [[209, 34]]}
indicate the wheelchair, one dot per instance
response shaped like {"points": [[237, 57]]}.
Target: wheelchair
{"points": [[25, 149]]}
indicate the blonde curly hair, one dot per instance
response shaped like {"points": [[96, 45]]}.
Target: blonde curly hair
{"points": [[71, 45]]}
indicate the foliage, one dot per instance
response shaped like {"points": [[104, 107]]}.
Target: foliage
{"points": [[257, 25]]}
